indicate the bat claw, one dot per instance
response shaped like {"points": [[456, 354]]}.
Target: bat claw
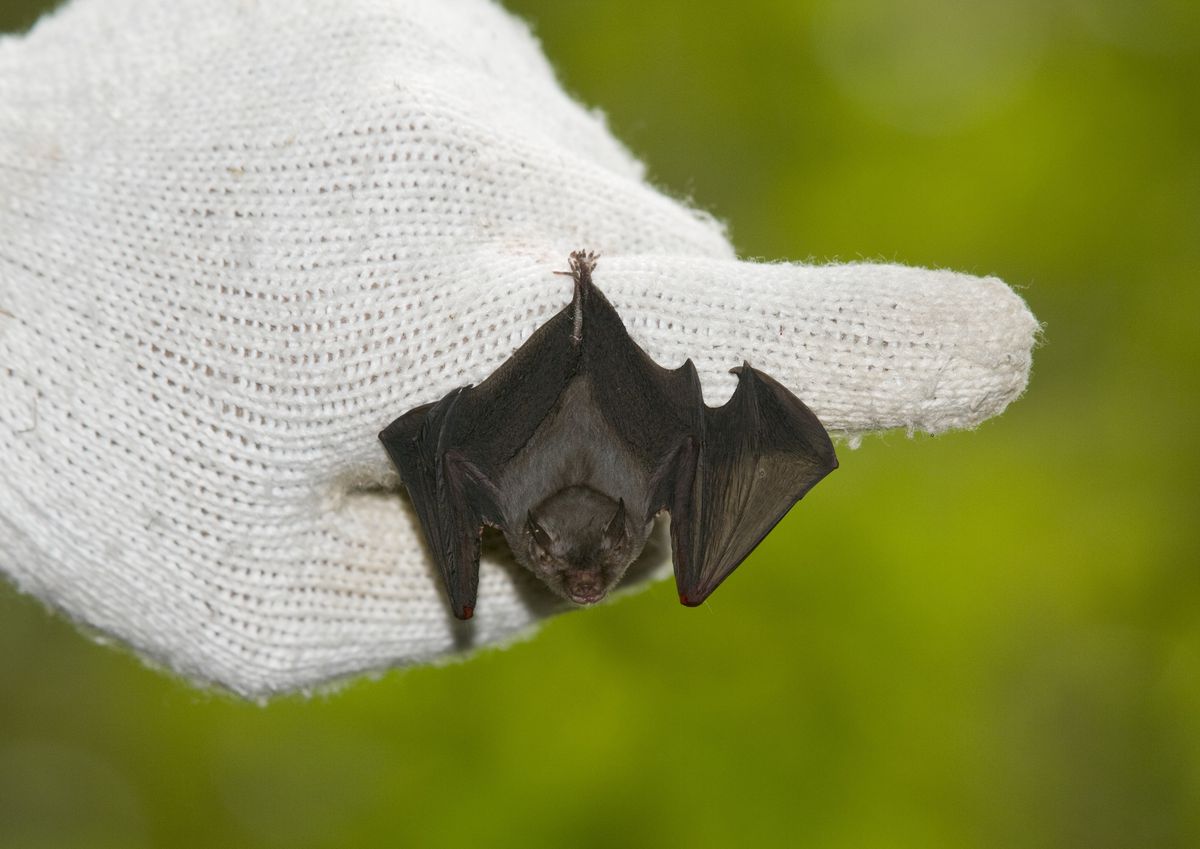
{"points": [[583, 263]]}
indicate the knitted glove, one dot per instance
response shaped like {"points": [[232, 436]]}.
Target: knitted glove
{"points": [[240, 238]]}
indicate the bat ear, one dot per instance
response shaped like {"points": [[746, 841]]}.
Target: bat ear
{"points": [[615, 531], [538, 533]]}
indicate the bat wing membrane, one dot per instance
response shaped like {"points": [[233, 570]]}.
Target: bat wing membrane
{"points": [[755, 457]]}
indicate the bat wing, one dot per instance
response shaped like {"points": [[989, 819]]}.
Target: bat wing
{"points": [[751, 461], [450, 454]]}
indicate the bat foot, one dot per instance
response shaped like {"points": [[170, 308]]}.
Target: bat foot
{"points": [[583, 263]]}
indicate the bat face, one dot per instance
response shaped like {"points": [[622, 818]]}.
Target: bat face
{"points": [[579, 440], [579, 542]]}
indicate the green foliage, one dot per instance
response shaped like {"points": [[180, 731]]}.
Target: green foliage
{"points": [[984, 639]]}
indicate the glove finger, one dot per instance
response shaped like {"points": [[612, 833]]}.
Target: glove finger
{"points": [[867, 346]]}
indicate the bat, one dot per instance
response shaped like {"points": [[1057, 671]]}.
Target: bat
{"points": [[578, 441]]}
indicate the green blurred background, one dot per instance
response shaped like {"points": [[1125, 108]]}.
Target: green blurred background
{"points": [[983, 639]]}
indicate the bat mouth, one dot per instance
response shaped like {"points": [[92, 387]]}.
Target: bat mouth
{"points": [[585, 596]]}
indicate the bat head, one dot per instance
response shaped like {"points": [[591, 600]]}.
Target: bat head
{"points": [[579, 542]]}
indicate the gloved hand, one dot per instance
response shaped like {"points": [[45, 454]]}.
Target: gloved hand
{"points": [[240, 238]]}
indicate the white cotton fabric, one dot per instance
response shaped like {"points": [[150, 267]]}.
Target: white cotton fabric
{"points": [[239, 238]]}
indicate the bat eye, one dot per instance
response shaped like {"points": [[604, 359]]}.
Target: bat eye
{"points": [[538, 533]]}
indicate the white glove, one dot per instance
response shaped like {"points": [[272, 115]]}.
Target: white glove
{"points": [[240, 238]]}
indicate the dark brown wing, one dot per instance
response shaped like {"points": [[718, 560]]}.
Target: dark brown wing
{"points": [[756, 457]]}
